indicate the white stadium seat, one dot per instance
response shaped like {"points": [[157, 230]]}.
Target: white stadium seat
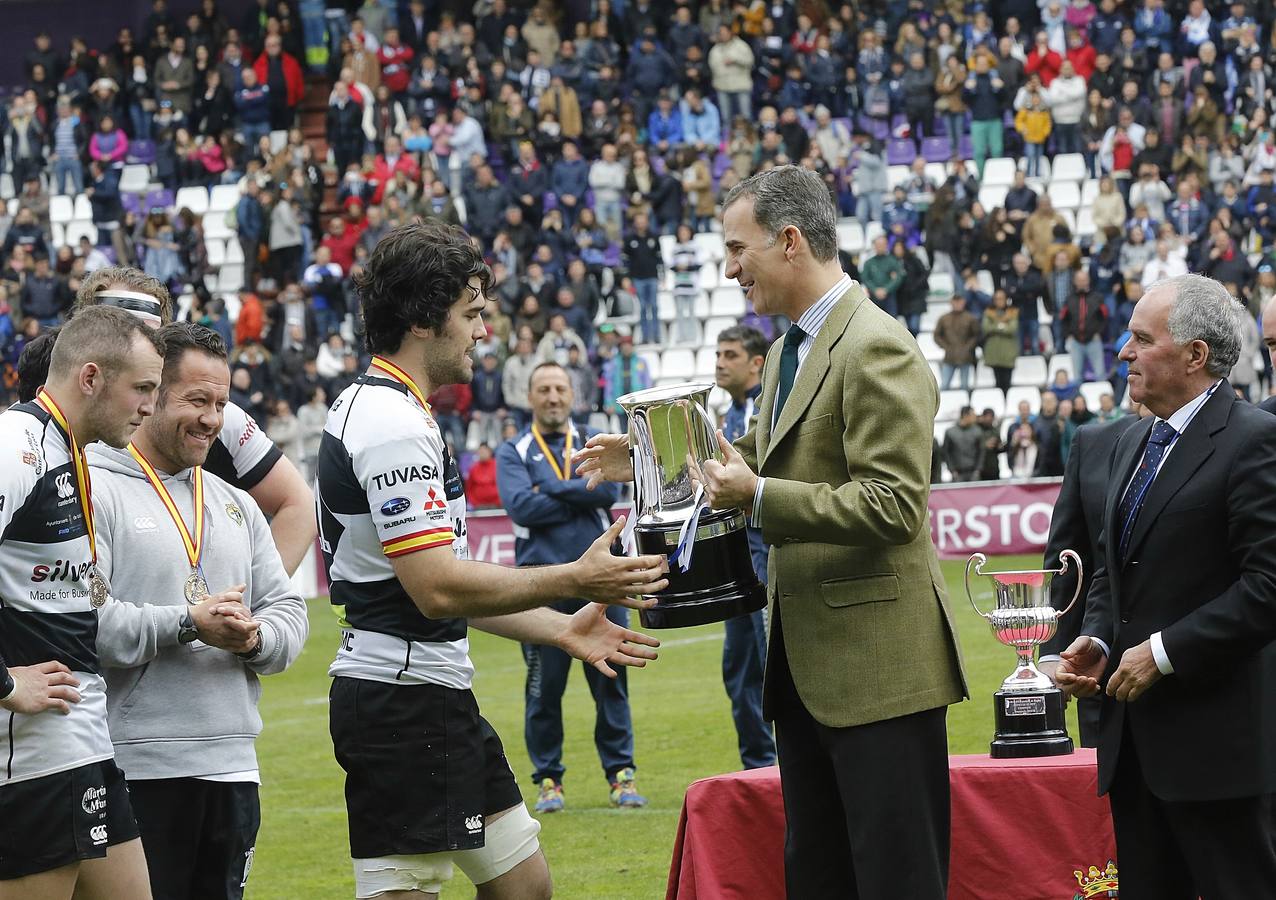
{"points": [[941, 284], [706, 362], [930, 350], [850, 237], [83, 208], [999, 171], [652, 359], [231, 277], [1018, 394], [1029, 371], [1092, 391], [951, 402], [216, 251], [710, 245], [80, 228], [215, 227], [716, 325], [223, 197], [193, 198], [1068, 167], [1085, 222], [727, 301], [988, 398], [992, 196], [1064, 195], [135, 179], [896, 175], [61, 209], [1089, 190], [677, 363]]}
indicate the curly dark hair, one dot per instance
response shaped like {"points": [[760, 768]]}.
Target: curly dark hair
{"points": [[414, 276]]}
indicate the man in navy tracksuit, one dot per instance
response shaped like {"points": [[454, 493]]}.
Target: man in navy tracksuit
{"points": [[556, 517], [741, 350]]}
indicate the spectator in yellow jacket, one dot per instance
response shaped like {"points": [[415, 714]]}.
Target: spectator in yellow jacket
{"points": [[1034, 123]]}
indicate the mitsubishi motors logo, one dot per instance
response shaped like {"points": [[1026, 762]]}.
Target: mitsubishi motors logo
{"points": [[65, 487], [434, 501]]}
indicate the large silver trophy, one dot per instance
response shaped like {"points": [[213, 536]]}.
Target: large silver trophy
{"points": [[711, 575], [1029, 707]]}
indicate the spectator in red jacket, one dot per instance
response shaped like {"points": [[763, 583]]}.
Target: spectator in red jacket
{"points": [[1080, 54], [248, 327], [340, 242], [480, 483], [282, 73], [450, 406], [1043, 61], [392, 161], [396, 65]]}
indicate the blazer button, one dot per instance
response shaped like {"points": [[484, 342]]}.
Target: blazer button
{"points": [[1125, 620]]}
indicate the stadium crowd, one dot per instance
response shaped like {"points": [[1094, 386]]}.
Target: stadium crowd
{"points": [[1011, 177]]}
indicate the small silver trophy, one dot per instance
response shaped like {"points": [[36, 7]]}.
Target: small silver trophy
{"points": [[1029, 708], [671, 435]]}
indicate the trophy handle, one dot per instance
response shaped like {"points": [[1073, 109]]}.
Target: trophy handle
{"points": [[976, 562], [1063, 570], [712, 428]]}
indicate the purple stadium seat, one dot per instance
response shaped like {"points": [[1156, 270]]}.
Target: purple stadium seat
{"points": [[964, 147], [898, 120], [141, 153], [162, 198], [132, 203], [611, 256], [549, 200], [721, 163], [900, 152], [658, 164], [937, 149]]}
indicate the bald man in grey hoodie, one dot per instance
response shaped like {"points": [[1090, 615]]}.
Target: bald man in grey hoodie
{"points": [[182, 668]]}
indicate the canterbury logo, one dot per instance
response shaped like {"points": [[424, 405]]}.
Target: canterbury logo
{"points": [[144, 523], [98, 834], [474, 823], [65, 487]]}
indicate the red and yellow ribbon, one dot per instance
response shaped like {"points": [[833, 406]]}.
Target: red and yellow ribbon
{"points": [[565, 470], [381, 364], [194, 545], [82, 482]]}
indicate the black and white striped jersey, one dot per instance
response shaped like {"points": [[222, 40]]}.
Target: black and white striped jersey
{"points": [[242, 455], [386, 486], [45, 613]]}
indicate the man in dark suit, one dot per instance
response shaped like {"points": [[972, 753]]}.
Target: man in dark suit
{"points": [[1181, 617], [1077, 524], [862, 658]]}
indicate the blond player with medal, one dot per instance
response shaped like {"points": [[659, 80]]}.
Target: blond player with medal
{"points": [[167, 529], [68, 826]]}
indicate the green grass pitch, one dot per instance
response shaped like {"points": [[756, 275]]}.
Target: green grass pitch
{"points": [[682, 731]]}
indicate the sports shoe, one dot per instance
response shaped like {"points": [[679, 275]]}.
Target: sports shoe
{"points": [[624, 790], [551, 797]]}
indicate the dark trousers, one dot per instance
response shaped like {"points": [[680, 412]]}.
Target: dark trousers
{"points": [[743, 662], [547, 671], [1173, 850], [1088, 720], [867, 807], [249, 246], [198, 836]]}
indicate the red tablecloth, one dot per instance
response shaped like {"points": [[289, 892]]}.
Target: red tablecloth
{"points": [[1021, 828]]}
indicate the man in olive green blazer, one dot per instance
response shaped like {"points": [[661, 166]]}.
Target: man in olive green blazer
{"points": [[863, 657]]}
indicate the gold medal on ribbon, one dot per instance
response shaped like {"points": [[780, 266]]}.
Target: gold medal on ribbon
{"points": [[84, 486], [97, 588], [195, 588], [565, 470]]}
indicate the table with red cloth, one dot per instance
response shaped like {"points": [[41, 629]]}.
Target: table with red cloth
{"points": [[1021, 828]]}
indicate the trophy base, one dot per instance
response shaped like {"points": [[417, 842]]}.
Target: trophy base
{"points": [[1029, 724], [720, 585]]}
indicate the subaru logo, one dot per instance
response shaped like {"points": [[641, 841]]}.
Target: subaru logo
{"points": [[64, 485], [395, 506]]}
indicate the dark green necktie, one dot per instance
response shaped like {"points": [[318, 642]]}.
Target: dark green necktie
{"points": [[788, 366]]}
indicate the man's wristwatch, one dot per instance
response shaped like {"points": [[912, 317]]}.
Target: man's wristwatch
{"points": [[187, 633], [254, 652]]}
